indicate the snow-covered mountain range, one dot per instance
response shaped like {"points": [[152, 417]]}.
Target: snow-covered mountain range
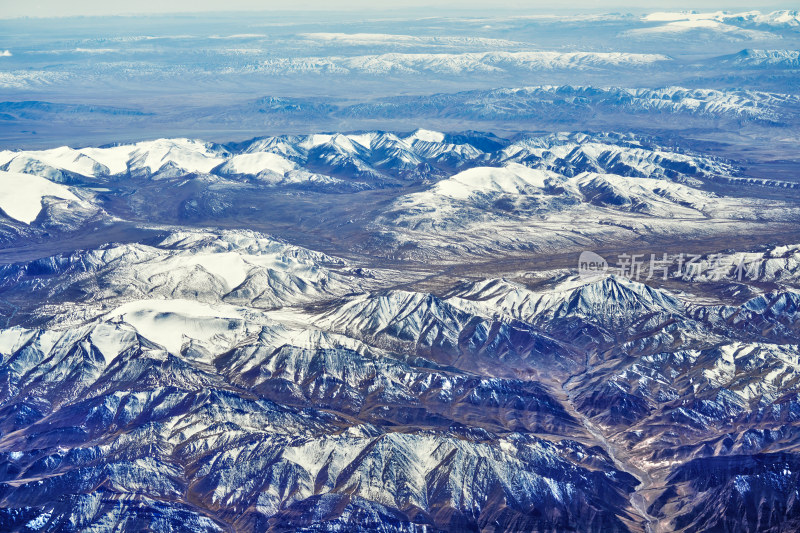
{"points": [[370, 156], [141, 407], [398, 63], [434, 272], [524, 193]]}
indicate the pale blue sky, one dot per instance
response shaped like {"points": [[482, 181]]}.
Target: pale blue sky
{"points": [[59, 8]]}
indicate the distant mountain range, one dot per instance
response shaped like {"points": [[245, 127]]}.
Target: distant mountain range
{"points": [[551, 107]]}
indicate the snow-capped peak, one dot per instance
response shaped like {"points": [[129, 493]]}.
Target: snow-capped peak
{"points": [[426, 136], [22, 195]]}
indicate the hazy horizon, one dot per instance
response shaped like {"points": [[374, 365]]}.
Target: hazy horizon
{"points": [[89, 8]]}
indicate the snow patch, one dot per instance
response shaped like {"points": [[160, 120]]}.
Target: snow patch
{"points": [[39, 521], [254, 163], [22, 194], [426, 135], [167, 322]]}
